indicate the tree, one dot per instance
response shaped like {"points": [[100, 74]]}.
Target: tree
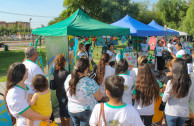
{"points": [[107, 11], [188, 22], [172, 12]]}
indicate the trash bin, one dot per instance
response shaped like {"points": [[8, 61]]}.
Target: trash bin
{"points": [[6, 48]]}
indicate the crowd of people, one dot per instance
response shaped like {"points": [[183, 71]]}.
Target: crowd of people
{"points": [[106, 94]]}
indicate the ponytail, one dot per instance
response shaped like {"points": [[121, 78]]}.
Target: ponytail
{"points": [[101, 67], [80, 66]]}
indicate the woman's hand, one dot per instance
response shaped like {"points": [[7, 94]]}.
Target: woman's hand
{"points": [[32, 115]]}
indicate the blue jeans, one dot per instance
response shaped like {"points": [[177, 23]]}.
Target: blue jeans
{"points": [[175, 120], [81, 118]]}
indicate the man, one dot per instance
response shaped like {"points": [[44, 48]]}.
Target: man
{"points": [[145, 47], [31, 56], [180, 51]]}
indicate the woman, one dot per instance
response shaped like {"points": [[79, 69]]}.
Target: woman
{"points": [[145, 93], [160, 61], [112, 55], [117, 113], [60, 75], [82, 92], [104, 71], [121, 70], [177, 94], [81, 51], [16, 96], [89, 54]]}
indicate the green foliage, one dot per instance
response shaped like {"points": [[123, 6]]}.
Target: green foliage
{"points": [[164, 12], [172, 12], [107, 11], [188, 22]]}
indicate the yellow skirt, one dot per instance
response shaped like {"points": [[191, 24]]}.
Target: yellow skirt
{"points": [[157, 113]]}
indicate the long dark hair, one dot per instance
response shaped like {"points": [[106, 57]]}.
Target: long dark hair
{"points": [[15, 74], [121, 67], [115, 85], [87, 48], [146, 86], [80, 66], [101, 67], [180, 81]]}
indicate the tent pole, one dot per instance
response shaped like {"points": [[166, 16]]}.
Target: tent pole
{"points": [[68, 53], [136, 46]]}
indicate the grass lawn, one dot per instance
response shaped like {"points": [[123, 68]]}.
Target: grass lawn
{"points": [[9, 57]]}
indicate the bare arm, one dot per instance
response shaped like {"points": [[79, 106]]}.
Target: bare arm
{"points": [[32, 115], [32, 99], [98, 95], [134, 96]]}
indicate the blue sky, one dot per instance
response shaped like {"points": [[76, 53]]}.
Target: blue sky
{"points": [[34, 7]]}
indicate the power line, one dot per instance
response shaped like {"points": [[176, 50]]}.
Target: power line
{"points": [[26, 14]]}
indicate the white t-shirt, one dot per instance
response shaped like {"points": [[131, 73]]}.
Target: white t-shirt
{"points": [[109, 71], [159, 50], [174, 48], [124, 115], [80, 54], [145, 49], [180, 53], [128, 85], [170, 47], [83, 98], [33, 70], [17, 103], [133, 73], [190, 68], [144, 110], [110, 54]]}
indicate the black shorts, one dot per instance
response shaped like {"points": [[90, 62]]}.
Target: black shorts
{"points": [[160, 62]]}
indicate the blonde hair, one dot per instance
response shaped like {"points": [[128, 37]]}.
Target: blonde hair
{"points": [[141, 59]]}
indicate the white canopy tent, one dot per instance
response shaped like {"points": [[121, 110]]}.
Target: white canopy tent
{"points": [[180, 33]]}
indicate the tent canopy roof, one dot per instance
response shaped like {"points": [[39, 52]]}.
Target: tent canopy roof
{"points": [[80, 24], [180, 33], [154, 24], [138, 28]]}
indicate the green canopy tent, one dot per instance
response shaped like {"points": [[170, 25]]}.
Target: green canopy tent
{"points": [[78, 24]]}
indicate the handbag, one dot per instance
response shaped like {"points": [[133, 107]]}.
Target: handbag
{"points": [[102, 112], [52, 85], [162, 106]]}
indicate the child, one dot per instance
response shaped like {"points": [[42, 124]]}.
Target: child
{"points": [[146, 92], [40, 101], [121, 70], [117, 113], [179, 91], [81, 51], [144, 48], [104, 71]]}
